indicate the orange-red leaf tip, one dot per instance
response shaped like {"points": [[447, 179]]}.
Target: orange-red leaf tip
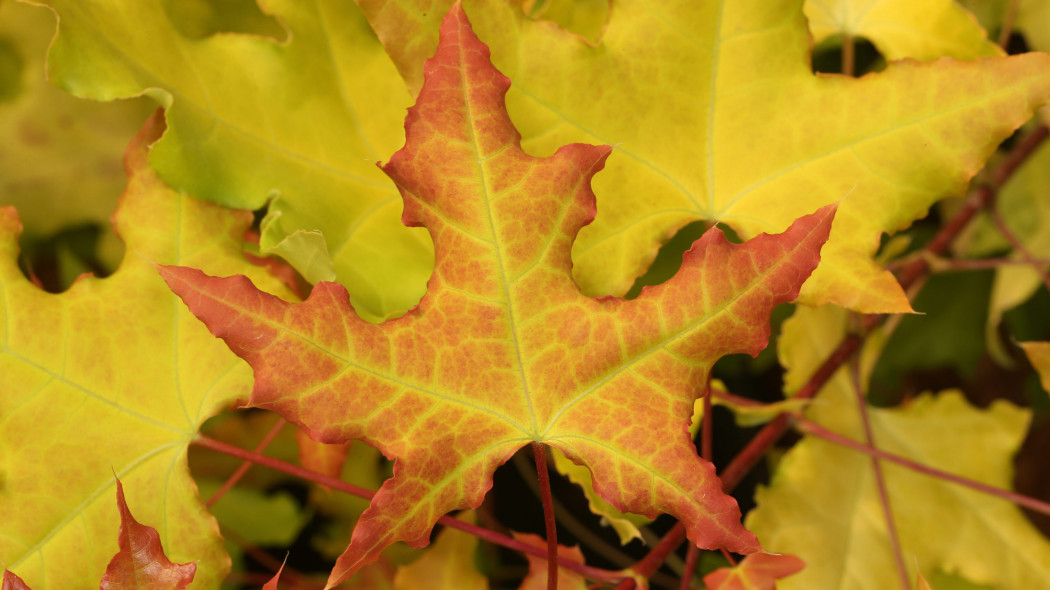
{"points": [[13, 582], [140, 562], [758, 571]]}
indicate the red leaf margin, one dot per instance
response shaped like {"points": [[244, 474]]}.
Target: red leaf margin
{"points": [[141, 563]]}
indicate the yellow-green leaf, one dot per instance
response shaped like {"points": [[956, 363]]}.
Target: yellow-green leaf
{"points": [[716, 114], [113, 376], [624, 523], [1039, 355], [447, 565], [822, 504], [302, 122], [60, 160]]}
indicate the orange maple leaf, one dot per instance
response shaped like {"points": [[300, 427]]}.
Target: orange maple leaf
{"points": [[504, 350]]}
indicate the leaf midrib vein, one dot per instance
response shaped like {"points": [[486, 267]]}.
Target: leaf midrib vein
{"points": [[498, 253]]}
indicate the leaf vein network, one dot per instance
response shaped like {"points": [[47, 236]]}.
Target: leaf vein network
{"points": [[756, 282], [78, 510], [1004, 90], [61, 378]]}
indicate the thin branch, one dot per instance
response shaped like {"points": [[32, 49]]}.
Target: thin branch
{"points": [[651, 562], [348, 488], [728, 557], [938, 264], [977, 201], [807, 426], [880, 480], [1018, 245], [761, 443], [245, 465], [539, 452], [849, 51], [1008, 22], [691, 558]]}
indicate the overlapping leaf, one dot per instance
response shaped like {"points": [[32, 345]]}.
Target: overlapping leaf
{"points": [[1039, 355], [447, 565], [60, 158], [758, 571], [823, 505], [141, 562], [250, 119], [504, 350], [537, 576], [716, 115], [1031, 18], [113, 375]]}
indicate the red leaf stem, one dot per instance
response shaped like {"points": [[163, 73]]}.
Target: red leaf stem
{"points": [[337, 484], [651, 562], [539, 452], [691, 558], [1018, 245]]}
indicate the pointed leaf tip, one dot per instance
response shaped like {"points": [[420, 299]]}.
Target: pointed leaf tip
{"points": [[13, 582], [759, 571], [140, 562]]}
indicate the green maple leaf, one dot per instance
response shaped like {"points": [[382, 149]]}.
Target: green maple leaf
{"points": [[504, 350], [301, 121], [717, 115], [113, 376]]}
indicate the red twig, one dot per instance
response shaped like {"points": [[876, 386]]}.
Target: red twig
{"points": [[539, 452], [1018, 245], [245, 465], [880, 480], [757, 447], [651, 562], [338, 484], [691, 558]]}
